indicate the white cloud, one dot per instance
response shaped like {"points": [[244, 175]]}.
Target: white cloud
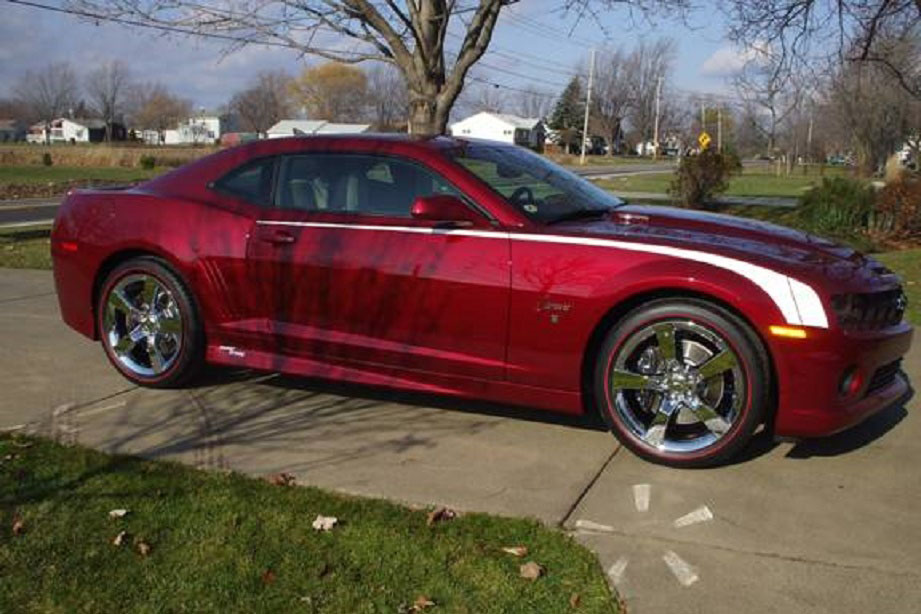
{"points": [[728, 61], [725, 62]]}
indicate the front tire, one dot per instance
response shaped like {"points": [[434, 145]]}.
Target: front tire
{"points": [[683, 383], [149, 325]]}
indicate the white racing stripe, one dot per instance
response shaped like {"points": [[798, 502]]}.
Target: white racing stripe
{"points": [[798, 302]]}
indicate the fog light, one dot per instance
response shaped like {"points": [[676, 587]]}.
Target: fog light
{"points": [[851, 382]]}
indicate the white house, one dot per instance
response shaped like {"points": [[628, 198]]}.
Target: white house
{"points": [[524, 131], [293, 127], [64, 130], [198, 130]]}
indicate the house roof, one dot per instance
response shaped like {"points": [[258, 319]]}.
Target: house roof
{"points": [[315, 126], [10, 124], [526, 123], [288, 126], [330, 128]]}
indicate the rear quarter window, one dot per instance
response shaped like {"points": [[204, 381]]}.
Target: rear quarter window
{"points": [[251, 182]]}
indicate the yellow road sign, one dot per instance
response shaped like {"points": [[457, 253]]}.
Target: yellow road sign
{"points": [[704, 140]]}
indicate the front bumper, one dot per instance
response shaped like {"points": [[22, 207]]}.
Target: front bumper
{"points": [[810, 372]]}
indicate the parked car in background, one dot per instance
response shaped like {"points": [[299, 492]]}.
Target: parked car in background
{"points": [[481, 269]]}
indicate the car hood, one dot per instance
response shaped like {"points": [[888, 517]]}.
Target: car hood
{"points": [[793, 252]]}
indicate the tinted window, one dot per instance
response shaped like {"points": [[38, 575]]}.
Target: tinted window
{"points": [[539, 188], [251, 182], [374, 185]]}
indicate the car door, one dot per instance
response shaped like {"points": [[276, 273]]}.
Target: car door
{"points": [[358, 280]]}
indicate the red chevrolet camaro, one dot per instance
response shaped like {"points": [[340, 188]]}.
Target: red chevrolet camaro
{"points": [[480, 269]]}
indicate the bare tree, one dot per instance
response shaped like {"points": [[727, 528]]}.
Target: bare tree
{"points": [[533, 102], [766, 84], [613, 95], [48, 93], [106, 87], [408, 35], [648, 65], [387, 98], [486, 97], [873, 110], [264, 103], [153, 107], [804, 31]]}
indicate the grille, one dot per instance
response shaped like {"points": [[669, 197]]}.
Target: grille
{"points": [[870, 311], [883, 376]]}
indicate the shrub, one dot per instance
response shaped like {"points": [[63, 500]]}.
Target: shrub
{"points": [[147, 162], [699, 178], [840, 207], [46, 159], [897, 214]]}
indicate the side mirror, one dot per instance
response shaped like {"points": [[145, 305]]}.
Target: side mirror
{"points": [[445, 209]]}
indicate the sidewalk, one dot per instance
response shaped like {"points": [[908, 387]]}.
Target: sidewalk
{"points": [[829, 526]]}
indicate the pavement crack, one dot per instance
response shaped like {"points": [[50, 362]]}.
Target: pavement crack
{"points": [[765, 554], [588, 487]]}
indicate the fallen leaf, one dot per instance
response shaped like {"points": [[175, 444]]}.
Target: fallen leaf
{"points": [[280, 479], [440, 514], [268, 576], [19, 526], [531, 571], [324, 523], [518, 551], [143, 547], [422, 602], [119, 513], [575, 600], [119, 539]]}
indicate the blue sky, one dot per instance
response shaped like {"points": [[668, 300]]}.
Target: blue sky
{"points": [[201, 71]]}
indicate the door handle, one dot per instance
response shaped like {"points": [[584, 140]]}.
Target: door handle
{"points": [[279, 237]]}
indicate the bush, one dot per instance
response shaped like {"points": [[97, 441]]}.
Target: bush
{"points": [[841, 207], [46, 159], [147, 162], [701, 177], [897, 214]]}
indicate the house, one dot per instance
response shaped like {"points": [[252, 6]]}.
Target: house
{"points": [[198, 130], [74, 130], [292, 127], [12, 130], [527, 132]]}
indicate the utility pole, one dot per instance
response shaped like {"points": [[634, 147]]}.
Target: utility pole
{"points": [[809, 136], [588, 104], [719, 128], [703, 118], [655, 133]]}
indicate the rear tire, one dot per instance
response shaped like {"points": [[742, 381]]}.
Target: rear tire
{"points": [[682, 382], [149, 324]]}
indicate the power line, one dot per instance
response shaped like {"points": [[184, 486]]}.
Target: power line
{"points": [[176, 29]]}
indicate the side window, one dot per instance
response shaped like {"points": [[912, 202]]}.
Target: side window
{"points": [[251, 182], [371, 185]]}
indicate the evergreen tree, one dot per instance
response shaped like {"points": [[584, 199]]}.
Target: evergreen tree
{"points": [[568, 115]]}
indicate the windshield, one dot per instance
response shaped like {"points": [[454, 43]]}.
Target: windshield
{"points": [[542, 190]]}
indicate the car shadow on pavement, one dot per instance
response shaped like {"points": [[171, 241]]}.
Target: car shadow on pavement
{"points": [[868, 431], [589, 420]]}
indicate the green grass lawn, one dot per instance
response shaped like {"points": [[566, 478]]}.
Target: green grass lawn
{"points": [[25, 248], [907, 264], [227, 543], [752, 182], [56, 174]]}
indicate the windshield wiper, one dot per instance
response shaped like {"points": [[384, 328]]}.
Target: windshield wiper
{"points": [[579, 214]]}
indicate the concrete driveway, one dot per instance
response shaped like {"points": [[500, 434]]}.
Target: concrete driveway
{"points": [[827, 526]]}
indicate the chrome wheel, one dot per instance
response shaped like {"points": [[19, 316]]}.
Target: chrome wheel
{"points": [[142, 325], [677, 386]]}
